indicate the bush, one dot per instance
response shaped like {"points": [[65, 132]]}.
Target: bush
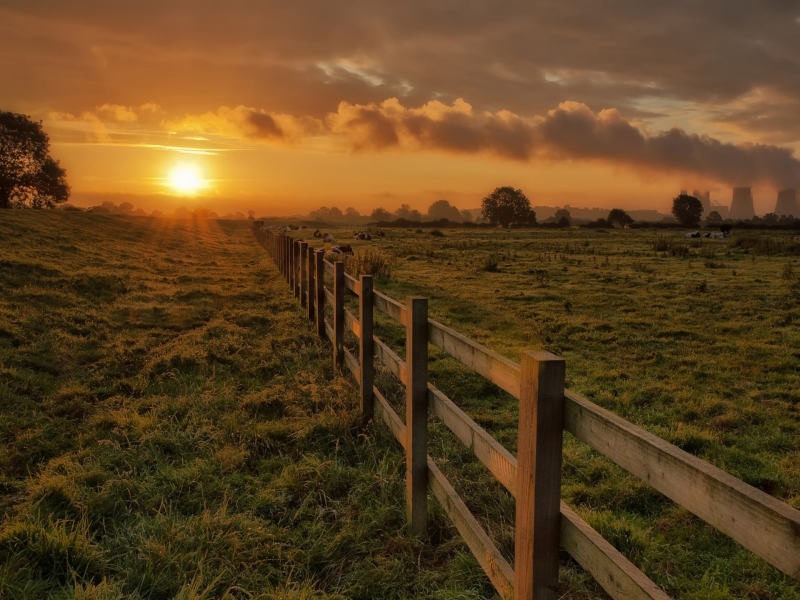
{"points": [[370, 262], [490, 264], [437, 233]]}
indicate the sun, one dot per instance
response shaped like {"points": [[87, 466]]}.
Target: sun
{"points": [[186, 180]]}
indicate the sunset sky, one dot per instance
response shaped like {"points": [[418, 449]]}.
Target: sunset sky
{"points": [[281, 107]]}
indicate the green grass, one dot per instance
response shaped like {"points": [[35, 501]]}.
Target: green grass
{"points": [[696, 341], [172, 428]]}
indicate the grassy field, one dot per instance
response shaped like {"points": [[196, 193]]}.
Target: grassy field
{"points": [[696, 341], [172, 427]]}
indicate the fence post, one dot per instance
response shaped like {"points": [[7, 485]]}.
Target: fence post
{"points": [[366, 350], [303, 273], [286, 245], [291, 264], [312, 291], [319, 278], [296, 268], [541, 423], [417, 414], [338, 314]]}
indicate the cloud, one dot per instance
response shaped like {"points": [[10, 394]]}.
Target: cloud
{"points": [[571, 132], [243, 122]]}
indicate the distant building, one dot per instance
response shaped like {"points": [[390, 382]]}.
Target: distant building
{"points": [[742, 204], [787, 203], [705, 200]]}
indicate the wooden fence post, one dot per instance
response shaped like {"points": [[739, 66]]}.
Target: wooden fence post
{"points": [[303, 273], [296, 268], [366, 351], [541, 423], [338, 314], [286, 242], [417, 414], [312, 291], [291, 264], [319, 278]]}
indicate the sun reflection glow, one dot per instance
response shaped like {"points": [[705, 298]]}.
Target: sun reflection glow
{"points": [[186, 180]]}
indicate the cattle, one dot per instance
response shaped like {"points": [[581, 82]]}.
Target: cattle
{"points": [[328, 239], [345, 250], [362, 236], [317, 234], [717, 236], [380, 234], [694, 234], [725, 229], [303, 227]]}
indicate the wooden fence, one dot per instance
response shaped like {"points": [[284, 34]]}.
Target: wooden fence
{"points": [[761, 523]]}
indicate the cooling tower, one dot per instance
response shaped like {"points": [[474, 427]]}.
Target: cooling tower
{"points": [[742, 205], [787, 203], [705, 200]]}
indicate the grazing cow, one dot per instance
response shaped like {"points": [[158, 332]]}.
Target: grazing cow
{"points": [[362, 236], [717, 236], [346, 250], [694, 234], [380, 234], [303, 227], [725, 229], [317, 234], [328, 238], [286, 229]]}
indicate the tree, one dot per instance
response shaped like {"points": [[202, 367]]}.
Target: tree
{"points": [[506, 206], [714, 217], [687, 210], [251, 214], [561, 214], [442, 209], [466, 215], [28, 174], [381, 214], [406, 212], [617, 216]]}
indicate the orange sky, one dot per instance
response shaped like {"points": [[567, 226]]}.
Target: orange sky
{"points": [[283, 107]]}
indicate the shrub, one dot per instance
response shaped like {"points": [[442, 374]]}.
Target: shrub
{"points": [[490, 264], [437, 233], [370, 262]]}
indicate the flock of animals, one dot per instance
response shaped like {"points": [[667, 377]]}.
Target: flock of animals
{"points": [[724, 231], [326, 237]]}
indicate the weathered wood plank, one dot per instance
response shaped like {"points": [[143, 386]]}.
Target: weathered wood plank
{"points": [[351, 323], [366, 347], [329, 296], [328, 266], [615, 573], [394, 363], [393, 308], [319, 277], [303, 274], [494, 565], [763, 524], [338, 315], [541, 425], [328, 329], [385, 412], [500, 462], [352, 364], [352, 284], [501, 371], [417, 415]]}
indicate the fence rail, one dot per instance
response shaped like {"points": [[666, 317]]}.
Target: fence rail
{"points": [[761, 523]]}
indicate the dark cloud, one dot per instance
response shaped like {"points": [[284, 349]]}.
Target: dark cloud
{"points": [[570, 132], [263, 126], [306, 56]]}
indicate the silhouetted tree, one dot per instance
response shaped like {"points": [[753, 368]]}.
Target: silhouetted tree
{"points": [[506, 206], [381, 214], [687, 210], [406, 212], [562, 214], [466, 215], [619, 217], [442, 209], [714, 217], [251, 214], [28, 174]]}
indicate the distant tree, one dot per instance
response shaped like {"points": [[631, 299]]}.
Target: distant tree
{"points": [[687, 210], [126, 208], [29, 177], [506, 206], [381, 214], [466, 215], [771, 218], [563, 213], [617, 216], [351, 213], [406, 212], [251, 214], [714, 217], [442, 209]]}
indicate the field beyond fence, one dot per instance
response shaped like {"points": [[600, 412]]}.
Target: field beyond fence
{"points": [[761, 523]]}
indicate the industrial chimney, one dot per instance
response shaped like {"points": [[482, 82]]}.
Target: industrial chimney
{"points": [[742, 204], [705, 200], [787, 203]]}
